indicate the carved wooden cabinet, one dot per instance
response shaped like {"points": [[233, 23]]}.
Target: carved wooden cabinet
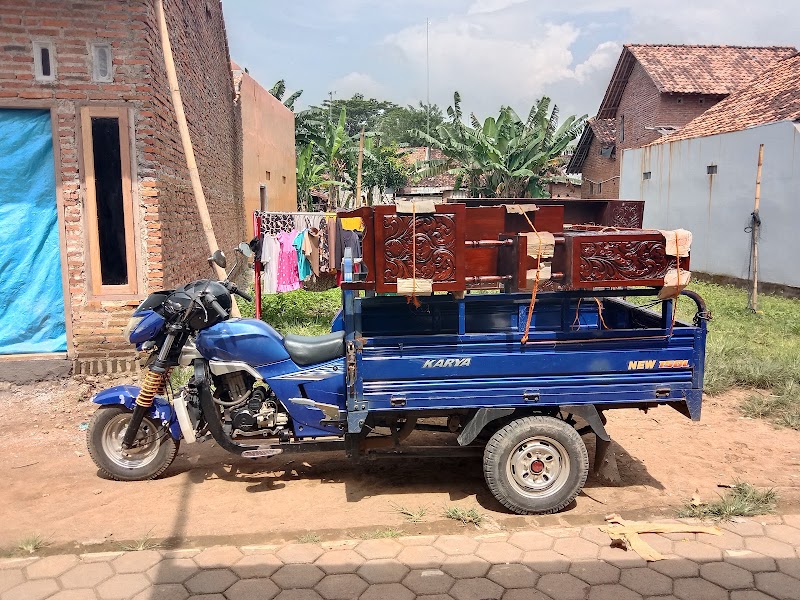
{"points": [[617, 259], [422, 246], [455, 248]]}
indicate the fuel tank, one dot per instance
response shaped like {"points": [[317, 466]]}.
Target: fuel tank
{"points": [[243, 340]]}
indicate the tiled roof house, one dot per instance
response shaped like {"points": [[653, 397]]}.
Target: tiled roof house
{"points": [[703, 178], [654, 91]]}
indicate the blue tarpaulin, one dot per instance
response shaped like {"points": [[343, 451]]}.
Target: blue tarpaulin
{"points": [[31, 293]]}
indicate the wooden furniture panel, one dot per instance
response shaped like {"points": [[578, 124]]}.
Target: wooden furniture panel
{"points": [[425, 246], [617, 259]]}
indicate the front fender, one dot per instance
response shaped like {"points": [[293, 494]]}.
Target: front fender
{"points": [[161, 411]]}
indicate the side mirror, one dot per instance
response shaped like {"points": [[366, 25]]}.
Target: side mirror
{"points": [[245, 249], [218, 258]]}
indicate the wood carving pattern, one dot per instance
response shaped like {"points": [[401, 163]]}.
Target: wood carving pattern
{"points": [[623, 260], [625, 215], [435, 247]]}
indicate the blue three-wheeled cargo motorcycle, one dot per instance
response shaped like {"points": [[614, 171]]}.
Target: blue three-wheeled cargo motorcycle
{"points": [[453, 365]]}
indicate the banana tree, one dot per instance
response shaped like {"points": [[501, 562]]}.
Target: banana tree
{"points": [[503, 157], [310, 177]]}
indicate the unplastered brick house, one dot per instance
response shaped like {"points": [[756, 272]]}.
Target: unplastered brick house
{"points": [[96, 203], [655, 90]]}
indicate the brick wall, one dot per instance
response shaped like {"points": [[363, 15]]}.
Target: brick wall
{"points": [[600, 174], [642, 107], [171, 245], [200, 48]]}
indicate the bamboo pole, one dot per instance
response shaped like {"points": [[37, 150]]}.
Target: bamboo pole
{"points": [[186, 140], [360, 162], [755, 232]]}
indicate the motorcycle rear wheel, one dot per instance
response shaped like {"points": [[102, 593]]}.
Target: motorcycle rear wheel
{"points": [[153, 451]]}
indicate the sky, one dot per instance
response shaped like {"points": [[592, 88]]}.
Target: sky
{"points": [[493, 52]]}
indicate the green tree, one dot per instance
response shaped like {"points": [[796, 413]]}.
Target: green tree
{"points": [[361, 111], [383, 167], [311, 177], [279, 89], [400, 124], [503, 157]]}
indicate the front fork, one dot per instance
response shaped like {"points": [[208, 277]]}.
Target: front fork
{"points": [[154, 382]]}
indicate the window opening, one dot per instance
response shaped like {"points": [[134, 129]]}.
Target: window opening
{"points": [[44, 61], [110, 205], [101, 62]]}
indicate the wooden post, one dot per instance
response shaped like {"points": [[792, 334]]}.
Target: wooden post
{"points": [[360, 162], [755, 228], [186, 140]]}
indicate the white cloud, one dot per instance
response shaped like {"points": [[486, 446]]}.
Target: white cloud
{"points": [[603, 57], [490, 63], [361, 83], [489, 6]]}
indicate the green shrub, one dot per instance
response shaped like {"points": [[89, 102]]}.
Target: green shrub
{"points": [[299, 312]]}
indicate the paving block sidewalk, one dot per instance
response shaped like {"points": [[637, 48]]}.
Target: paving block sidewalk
{"points": [[754, 559]]}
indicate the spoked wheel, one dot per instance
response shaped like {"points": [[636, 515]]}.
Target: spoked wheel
{"points": [[152, 452], [536, 465]]}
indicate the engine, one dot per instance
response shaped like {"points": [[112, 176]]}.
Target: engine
{"points": [[253, 409]]}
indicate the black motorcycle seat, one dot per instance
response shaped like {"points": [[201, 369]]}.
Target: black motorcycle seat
{"points": [[309, 349]]}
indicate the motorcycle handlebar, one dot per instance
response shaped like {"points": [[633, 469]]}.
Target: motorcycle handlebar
{"points": [[235, 290], [218, 309]]}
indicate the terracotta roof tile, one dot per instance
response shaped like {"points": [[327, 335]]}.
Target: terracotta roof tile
{"points": [[712, 70], [773, 96], [604, 130], [716, 70]]}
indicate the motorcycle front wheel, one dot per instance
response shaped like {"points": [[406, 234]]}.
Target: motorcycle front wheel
{"points": [[152, 452]]}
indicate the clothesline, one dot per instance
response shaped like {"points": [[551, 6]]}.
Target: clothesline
{"points": [[301, 246]]}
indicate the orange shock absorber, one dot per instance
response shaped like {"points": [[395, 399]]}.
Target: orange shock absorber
{"points": [[153, 384]]}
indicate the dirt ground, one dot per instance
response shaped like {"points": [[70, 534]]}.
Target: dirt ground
{"points": [[51, 487]]}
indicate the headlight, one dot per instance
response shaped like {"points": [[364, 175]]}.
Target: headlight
{"points": [[133, 323]]}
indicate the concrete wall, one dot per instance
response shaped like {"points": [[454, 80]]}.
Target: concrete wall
{"points": [[716, 208], [268, 150]]}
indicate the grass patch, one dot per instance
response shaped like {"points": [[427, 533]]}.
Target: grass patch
{"points": [[299, 312], [377, 534], [309, 538], [467, 516], [146, 542], [742, 500], [412, 515], [32, 543], [750, 350], [179, 377]]}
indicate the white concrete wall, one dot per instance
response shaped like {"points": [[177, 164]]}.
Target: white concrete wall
{"points": [[716, 208]]}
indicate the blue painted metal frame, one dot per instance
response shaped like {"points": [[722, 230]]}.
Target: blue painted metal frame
{"points": [[160, 412], [466, 354]]}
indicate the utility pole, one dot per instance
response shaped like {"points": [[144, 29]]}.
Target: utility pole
{"points": [[755, 232], [428, 84], [331, 94]]}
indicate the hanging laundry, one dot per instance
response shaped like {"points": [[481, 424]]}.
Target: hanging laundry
{"points": [[303, 264], [288, 275], [324, 245], [311, 244], [270, 252]]}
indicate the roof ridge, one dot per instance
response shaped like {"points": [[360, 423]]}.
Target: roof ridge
{"points": [[744, 103], [773, 47]]}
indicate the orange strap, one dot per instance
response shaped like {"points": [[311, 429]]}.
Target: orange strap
{"points": [[524, 339]]}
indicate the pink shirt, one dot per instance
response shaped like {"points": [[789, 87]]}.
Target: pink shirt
{"points": [[288, 275]]}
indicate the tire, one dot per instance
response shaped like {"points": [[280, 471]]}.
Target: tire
{"points": [[535, 465], [104, 440]]}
